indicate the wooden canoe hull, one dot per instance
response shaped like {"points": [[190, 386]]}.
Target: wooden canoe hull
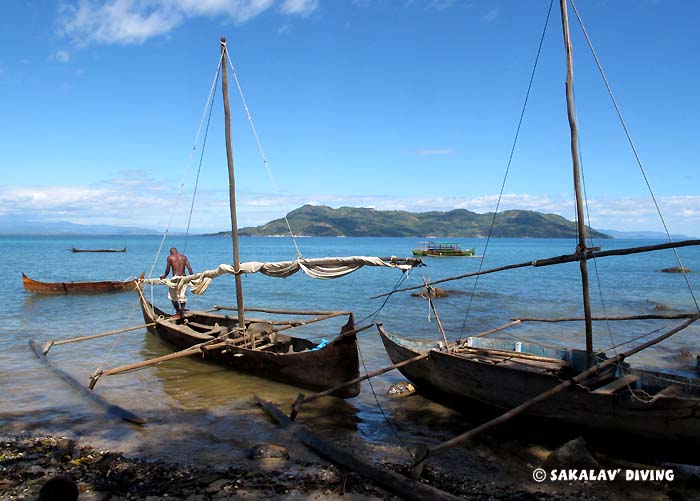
{"points": [[463, 383], [73, 249], [77, 287], [316, 370]]}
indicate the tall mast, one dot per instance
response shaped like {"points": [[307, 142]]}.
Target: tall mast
{"points": [[581, 247], [231, 185]]}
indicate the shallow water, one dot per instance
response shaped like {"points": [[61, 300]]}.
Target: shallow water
{"points": [[201, 412]]}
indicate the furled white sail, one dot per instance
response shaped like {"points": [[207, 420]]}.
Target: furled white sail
{"points": [[321, 268]]}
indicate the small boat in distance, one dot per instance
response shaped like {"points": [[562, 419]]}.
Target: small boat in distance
{"points": [[77, 287], [73, 249], [441, 249]]}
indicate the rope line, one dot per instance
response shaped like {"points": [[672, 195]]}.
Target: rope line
{"points": [[184, 176], [634, 150], [262, 153], [381, 409], [404, 276], [199, 169], [510, 160]]}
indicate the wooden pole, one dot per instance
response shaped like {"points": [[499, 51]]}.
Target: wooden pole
{"points": [[515, 321], [287, 312], [231, 186], [301, 400], [581, 227], [567, 258], [50, 344], [428, 289], [425, 453], [187, 352], [675, 316]]}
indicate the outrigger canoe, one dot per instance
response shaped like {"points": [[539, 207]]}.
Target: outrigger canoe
{"points": [[101, 287], [265, 351]]}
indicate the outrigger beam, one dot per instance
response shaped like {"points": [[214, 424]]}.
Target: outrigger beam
{"points": [[567, 258], [111, 408], [51, 343], [302, 399]]}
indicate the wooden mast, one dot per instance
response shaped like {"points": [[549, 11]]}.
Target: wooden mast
{"points": [[581, 247], [231, 185]]}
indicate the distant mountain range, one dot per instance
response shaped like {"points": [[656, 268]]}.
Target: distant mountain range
{"points": [[12, 226], [362, 222]]}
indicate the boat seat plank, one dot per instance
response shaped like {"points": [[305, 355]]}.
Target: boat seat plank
{"points": [[264, 347], [533, 365], [617, 384]]}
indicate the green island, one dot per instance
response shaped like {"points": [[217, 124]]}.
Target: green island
{"points": [[322, 221]]}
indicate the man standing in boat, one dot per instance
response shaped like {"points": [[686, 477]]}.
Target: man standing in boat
{"points": [[177, 262]]}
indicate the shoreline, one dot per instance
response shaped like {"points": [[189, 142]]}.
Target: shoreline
{"points": [[27, 462]]}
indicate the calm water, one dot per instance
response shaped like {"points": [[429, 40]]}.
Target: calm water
{"points": [[199, 411]]}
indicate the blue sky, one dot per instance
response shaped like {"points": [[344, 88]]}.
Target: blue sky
{"points": [[391, 104]]}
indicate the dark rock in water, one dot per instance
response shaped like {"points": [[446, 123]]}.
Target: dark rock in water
{"points": [[266, 450], [676, 269], [402, 389], [434, 292], [65, 447], [661, 307], [573, 454]]}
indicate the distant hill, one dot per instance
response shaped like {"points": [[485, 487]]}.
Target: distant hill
{"points": [[645, 235], [362, 222], [12, 226]]}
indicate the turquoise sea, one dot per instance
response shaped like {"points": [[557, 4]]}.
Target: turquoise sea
{"points": [[200, 411]]}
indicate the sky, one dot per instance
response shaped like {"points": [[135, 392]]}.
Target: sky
{"points": [[390, 104]]}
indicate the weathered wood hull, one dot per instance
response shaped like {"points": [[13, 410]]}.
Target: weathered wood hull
{"points": [[463, 381], [77, 287], [292, 360]]}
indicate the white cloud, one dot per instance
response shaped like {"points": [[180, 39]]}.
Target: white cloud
{"points": [[133, 199], [491, 15], [299, 7], [62, 56], [135, 21]]}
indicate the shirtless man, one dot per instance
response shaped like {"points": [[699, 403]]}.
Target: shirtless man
{"points": [[178, 262]]}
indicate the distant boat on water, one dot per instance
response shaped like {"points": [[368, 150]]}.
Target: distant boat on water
{"points": [[77, 287], [73, 249], [441, 249]]}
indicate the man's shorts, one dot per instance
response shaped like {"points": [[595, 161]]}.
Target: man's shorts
{"points": [[173, 293]]}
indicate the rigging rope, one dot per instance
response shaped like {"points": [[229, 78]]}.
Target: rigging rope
{"points": [[646, 181], [262, 153], [634, 149], [510, 160], [187, 169], [381, 409], [199, 169]]}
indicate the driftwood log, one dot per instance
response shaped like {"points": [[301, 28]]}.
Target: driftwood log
{"points": [[398, 484]]}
